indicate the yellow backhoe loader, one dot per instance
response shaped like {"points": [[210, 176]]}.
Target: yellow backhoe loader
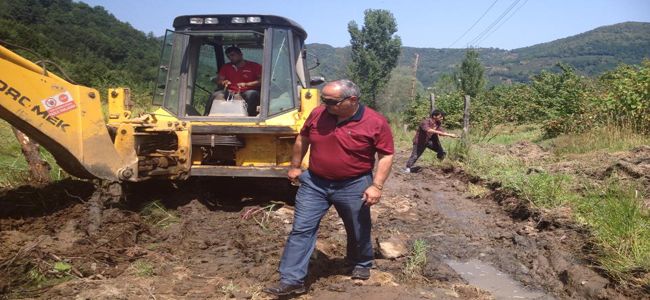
{"points": [[191, 133]]}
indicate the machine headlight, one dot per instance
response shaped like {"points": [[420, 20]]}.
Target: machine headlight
{"points": [[253, 20], [238, 20], [211, 21], [196, 20]]}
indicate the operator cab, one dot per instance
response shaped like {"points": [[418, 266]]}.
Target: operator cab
{"points": [[194, 52]]}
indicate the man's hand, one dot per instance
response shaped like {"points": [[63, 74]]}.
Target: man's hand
{"points": [[225, 82], [242, 84], [372, 195], [293, 174], [453, 135]]}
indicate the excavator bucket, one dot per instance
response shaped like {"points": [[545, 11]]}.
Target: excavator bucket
{"points": [[64, 118]]}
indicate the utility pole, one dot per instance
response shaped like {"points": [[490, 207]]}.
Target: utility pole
{"points": [[415, 72]]}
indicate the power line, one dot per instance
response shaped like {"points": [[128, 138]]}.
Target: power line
{"points": [[470, 28], [504, 21], [484, 32]]}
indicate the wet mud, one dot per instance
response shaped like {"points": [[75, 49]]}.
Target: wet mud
{"points": [[223, 238]]}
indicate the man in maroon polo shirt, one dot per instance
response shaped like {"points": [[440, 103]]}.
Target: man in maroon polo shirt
{"points": [[343, 137]]}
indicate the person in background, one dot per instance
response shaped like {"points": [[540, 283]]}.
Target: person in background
{"points": [[343, 136], [240, 76], [427, 136]]}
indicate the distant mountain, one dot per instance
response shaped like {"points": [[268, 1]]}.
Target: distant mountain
{"points": [[590, 53], [97, 49]]}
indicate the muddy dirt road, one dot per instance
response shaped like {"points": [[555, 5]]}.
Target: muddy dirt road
{"points": [[216, 239]]}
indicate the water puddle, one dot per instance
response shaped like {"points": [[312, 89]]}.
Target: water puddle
{"points": [[461, 212], [488, 278]]}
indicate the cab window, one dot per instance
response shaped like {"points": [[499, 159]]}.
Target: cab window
{"points": [[209, 48], [282, 86]]}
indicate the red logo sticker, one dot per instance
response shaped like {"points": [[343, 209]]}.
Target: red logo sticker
{"points": [[59, 104]]}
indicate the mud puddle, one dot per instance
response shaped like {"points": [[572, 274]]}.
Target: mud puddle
{"points": [[488, 278]]}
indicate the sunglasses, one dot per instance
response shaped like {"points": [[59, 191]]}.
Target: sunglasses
{"points": [[332, 102]]}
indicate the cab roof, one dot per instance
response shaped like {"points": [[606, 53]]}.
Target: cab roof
{"points": [[225, 22]]}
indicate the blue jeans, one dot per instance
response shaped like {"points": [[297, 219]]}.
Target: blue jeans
{"points": [[314, 198]]}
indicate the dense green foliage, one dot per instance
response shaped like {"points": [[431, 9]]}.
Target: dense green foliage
{"points": [[374, 51], [568, 103], [470, 75], [563, 102], [93, 47], [589, 53]]}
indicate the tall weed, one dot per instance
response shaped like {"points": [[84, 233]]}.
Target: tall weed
{"points": [[610, 138], [621, 229]]}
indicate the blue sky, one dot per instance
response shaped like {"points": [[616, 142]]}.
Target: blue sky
{"points": [[432, 23]]}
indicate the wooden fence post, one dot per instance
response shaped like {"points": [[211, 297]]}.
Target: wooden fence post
{"points": [[432, 98], [466, 120]]}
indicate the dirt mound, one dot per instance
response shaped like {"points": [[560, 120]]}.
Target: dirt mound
{"points": [[629, 166], [528, 151], [634, 164]]}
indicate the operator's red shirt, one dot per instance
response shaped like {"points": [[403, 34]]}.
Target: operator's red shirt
{"points": [[347, 149], [250, 71]]}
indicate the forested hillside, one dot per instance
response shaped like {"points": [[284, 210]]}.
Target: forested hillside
{"points": [[590, 53], [92, 46], [98, 50]]}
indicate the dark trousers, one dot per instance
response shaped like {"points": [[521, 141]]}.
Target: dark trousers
{"points": [[314, 198], [418, 149]]}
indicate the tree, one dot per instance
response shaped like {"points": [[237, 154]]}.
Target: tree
{"points": [[471, 74], [39, 169], [375, 50]]}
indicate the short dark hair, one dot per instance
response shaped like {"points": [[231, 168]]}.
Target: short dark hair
{"points": [[437, 112], [232, 49]]}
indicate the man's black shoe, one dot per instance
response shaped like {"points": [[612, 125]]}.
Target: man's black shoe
{"points": [[361, 273], [283, 289]]}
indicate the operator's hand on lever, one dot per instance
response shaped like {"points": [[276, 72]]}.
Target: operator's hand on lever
{"points": [[225, 83]]}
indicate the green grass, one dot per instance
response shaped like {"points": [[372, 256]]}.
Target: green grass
{"points": [[540, 188], [155, 214], [507, 135], [143, 268], [621, 229], [417, 259], [608, 139], [613, 211]]}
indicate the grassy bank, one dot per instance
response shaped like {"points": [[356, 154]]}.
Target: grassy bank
{"points": [[612, 207]]}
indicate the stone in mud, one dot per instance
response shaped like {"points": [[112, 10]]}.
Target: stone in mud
{"points": [[437, 270], [392, 247], [585, 281], [284, 214]]}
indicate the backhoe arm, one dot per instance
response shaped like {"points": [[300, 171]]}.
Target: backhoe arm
{"points": [[64, 118]]}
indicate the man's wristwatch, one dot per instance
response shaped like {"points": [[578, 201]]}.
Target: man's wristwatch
{"points": [[378, 186]]}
